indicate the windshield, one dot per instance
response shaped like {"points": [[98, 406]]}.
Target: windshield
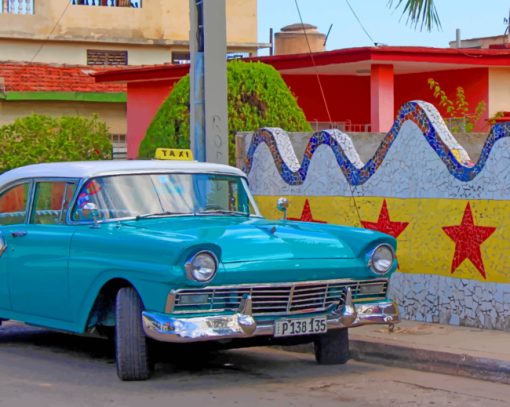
{"points": [[147, 195]]}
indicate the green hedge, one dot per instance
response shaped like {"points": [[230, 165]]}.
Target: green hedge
{"points": [[257, 97], [37, 138]]}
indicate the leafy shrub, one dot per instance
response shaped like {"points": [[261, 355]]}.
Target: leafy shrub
{"points": [[459, 117], [37, 138], [257, 97]]}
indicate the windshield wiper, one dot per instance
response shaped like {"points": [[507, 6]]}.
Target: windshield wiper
{"points": [[160, 214], [221, 212]]}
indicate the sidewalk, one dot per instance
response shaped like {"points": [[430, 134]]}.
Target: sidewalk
{"points": [[478, 353]]}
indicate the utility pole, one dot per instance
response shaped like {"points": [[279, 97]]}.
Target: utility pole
{"points": [[208, 81]]}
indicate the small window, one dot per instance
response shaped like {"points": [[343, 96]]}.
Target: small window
{"points": [[119, 146], [180, 58], [51, 202], [17, 6], [106, 57], [13, 204]]}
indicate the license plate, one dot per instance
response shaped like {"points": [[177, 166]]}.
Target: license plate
{"points": [[300, 326]]}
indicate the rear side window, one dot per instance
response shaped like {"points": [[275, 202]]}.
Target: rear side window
{"points": [[13, 204], [51, 202]]}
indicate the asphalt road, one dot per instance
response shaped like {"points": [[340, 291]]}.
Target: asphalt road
{"points": [[42, 368]]}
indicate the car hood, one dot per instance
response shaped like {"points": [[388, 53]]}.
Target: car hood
{"points": [[250, 239]]}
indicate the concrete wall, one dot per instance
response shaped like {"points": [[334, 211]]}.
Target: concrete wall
{"points": [[114, 114], [449, 211], [158, 23]]}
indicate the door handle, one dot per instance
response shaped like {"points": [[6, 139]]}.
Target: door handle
{"points": [[19, 233]]}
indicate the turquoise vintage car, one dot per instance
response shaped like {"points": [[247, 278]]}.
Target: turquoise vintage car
{"points": [[178, 252]]}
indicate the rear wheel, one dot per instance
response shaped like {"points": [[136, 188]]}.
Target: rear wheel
{"points": [[131, 350], [332, 348]]}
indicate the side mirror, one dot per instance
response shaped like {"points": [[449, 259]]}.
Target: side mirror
{"points": [[89, 211], [282, 205]]}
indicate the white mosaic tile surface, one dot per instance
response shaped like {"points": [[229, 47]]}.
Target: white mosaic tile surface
{"points": [[411, 169], [445, 300]]}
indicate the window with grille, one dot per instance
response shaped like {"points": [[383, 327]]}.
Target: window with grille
{"points": [[17, 6], [184, 57], [106, 57], [109, 3], [119, 146], [180, 58]]}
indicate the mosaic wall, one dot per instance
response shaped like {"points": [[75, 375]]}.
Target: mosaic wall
{"points": [[450, 215]]}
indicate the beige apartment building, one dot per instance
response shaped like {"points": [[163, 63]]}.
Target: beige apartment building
{"points": [[113, 32], [49, 48]]}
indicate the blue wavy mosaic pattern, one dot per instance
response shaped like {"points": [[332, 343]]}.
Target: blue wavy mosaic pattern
{"points": [[422, 114]]}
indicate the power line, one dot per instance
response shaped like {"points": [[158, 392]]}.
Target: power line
{"points": [[360, 23], [313, 61], [351, 188], [51, 32]]}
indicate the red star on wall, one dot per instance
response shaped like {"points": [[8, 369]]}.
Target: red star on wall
{"points": [[468, 237], [306, 215], [384, 223]]}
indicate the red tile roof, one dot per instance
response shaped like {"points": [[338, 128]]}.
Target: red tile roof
{"points": [[38, 77]]}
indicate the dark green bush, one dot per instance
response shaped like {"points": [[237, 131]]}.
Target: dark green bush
{"points": [[257, 97], [38, 138]]}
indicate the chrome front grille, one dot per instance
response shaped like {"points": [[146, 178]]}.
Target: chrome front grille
{"points": [[273, 299]]}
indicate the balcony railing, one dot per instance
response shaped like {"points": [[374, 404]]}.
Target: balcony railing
{"points": [[17, 6], [345, 126], [109, 3]]}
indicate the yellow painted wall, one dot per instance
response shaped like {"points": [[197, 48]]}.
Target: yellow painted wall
{"points": [[76, 53], [423, 246], [114, 114]]}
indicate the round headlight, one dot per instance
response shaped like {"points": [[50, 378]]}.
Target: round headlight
{"points": [[381, 259], [201, 267]]}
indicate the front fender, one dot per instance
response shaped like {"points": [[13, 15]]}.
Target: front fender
{"points": [[98, 256], [152, 293]]}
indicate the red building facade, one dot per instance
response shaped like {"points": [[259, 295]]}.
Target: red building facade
{"points": [[359, 89]]}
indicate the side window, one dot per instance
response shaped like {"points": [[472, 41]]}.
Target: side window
{"points": [[13, 204], [51, 202]]}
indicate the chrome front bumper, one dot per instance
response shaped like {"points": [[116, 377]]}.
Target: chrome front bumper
{"points": [[166, 328]]}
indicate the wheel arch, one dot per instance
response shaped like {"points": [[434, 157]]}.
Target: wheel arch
{"points": [[102, 310]]}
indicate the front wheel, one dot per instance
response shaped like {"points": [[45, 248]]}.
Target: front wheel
{"points": [[332, 348], [131, 350]]}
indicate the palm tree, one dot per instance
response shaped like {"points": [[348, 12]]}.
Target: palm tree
{"points": [[417, 11]]}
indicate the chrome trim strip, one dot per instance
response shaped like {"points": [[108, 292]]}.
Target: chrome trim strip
{"points": [[166, 328], [3, 244], [284, 284]]}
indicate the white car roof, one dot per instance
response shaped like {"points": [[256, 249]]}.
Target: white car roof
{"points": [[86, 169]]}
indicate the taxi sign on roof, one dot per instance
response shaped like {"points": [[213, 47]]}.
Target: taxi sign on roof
{"points": [[173, 154]]}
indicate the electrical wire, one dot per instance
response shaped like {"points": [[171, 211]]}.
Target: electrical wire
{"points": [[360, 23], [324, 98], [313, 62], [68, 3]]}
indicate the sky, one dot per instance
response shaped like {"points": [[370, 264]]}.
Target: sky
{"points": [[475, 18]]}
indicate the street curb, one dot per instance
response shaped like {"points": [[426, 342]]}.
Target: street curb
{"points": [[451, 363], [458, 364]]}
